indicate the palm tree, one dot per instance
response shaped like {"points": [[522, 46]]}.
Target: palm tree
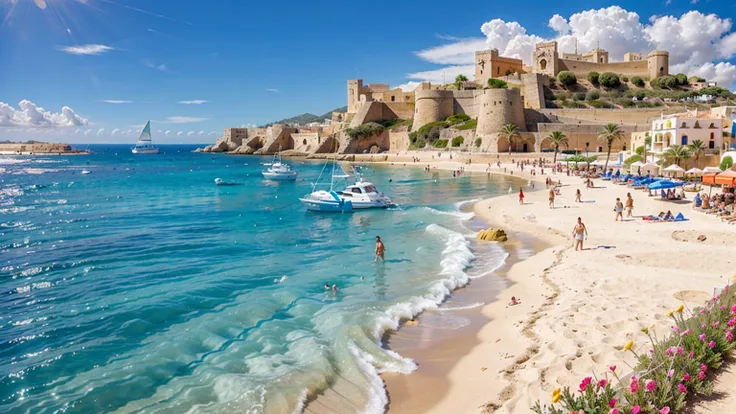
{"points": [[557, 138], [510, 132], [647, 143], [677, 153], [609, 134], [697, 147]]}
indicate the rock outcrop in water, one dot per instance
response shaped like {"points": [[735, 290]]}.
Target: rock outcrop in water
{"points": [[34, 147], [492, 235]]}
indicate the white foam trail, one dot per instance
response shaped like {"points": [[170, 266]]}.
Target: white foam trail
{"points": [[459, 214], [466, 307], [301, 402], [492, 269], [459, 204], [377, 396]]}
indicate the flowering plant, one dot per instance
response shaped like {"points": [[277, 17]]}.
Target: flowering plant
{"points": [[676, 368]]}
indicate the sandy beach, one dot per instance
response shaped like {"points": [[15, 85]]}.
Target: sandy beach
{"points": [[579, 308]]}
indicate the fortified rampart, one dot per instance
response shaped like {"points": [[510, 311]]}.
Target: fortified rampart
{"points": [[499, 107], [432, 106]]}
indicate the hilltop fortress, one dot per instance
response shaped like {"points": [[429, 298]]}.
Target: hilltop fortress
{"points": [[522, 100]]}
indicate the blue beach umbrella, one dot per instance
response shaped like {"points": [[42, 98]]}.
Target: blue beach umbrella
{"points": [[664, 184]]}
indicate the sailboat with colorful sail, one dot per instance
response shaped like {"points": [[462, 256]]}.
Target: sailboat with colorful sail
{"points": [[144, 145]]}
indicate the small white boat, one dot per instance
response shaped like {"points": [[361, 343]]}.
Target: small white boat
{"points": [[144, 145], [218, 181], [278, 171], [86, 172], [360, 195]]}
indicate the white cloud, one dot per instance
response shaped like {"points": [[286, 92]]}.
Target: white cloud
{"points": [[100, 132], [693, 39], [445, 75], [190, 133], [87, 132], [167, 132], [180, 133], [162, 67], [408, 86], [90, 49], [183, 120], [114, 131], [115, 101], [272, 90], [723, 72], [28, 114], [200, 133], [212, 133], [193, 102]]}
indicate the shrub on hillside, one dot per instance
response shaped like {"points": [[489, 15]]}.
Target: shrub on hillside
{"points": [[592, 96], [440, 143], [418, 144], [681, 79], [567, 78], [494, 83], [625, 102], [609, 80], [365, 131], [637, 81], [430, 132], [716, 91], [478, 141], [593, 77], [562, 96], [667, 81], [726, 163], [600, 104], [457, 118], [457, 141], [472, 124], [624, 78], [696, 79], [572, 104], [640, 95], [578, 96]]}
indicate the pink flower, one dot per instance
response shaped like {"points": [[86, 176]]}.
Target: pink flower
{"points": [[676, 329], [702, 326], [651, 351], [634, 385], [702, 337], [703, 367], [723, 307], [613, 411], [691, 355], [635, 409], [729, 336], [612, 368], [670, 373], [650, 385], [585, 383], [668, 352], [686, 377], [612, 403], [711, 344], [702, 311], [680, 351], [665, 410], [715, 324], [681, 388], [685, 332], [602, 383], [732, 322], [701, 375], [733, 309]]}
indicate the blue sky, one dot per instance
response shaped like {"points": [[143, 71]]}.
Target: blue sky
{"points": [[101, 68]]}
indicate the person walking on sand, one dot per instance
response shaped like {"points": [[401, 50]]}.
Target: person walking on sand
{"points": [[629, 204], [521, 196], [552, 197], [380, 250], [619, 209], [578, 196], [580, 233]]}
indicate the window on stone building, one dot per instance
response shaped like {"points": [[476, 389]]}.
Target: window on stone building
{"points": [[712, 144], [393, 99], [712, 135], [498, 70], [543, 64]]}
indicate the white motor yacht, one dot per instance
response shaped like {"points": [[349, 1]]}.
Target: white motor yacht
{"points": [[360, 195], [278, 171]]}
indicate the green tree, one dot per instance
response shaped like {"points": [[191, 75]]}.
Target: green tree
{"points": [[567, 78], [494, 83], [557, 138], [647, 144], [681, 79], [697, 148], [609, 134], [676, 153], [593, 77], [726, 163], [460, 79], [510, 133]]}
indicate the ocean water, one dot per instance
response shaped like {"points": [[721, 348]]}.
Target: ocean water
{"points": [[143, 287]]}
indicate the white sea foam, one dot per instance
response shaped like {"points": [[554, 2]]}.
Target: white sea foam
{"points": [[463, 307], [493, 267], [459, 204], [377, 396], [459, 214]]}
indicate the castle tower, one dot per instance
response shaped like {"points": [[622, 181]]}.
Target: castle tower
{"points": [[598, 55], [484, 65], [499, 107], [431, 106], [354, 87], [546, 59], [658, 63]]}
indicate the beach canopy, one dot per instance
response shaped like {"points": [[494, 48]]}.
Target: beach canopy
{"points": [[636, 164], [694, 171], [649, 168], [674, 168], [712, 170], [664, 184]]}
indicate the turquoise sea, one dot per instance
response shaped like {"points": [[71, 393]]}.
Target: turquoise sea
{"points": [[143, 287]]}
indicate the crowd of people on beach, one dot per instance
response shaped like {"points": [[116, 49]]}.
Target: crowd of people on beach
{"points": [[720, 205]]}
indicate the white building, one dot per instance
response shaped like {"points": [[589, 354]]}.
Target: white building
{"points": [[684, 128]]}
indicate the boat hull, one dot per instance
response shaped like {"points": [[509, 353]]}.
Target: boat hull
{"points": [[291, 176], [149, 150], [327, 205]]}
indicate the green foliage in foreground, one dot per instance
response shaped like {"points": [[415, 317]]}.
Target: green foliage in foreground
{"points": [[567, 78], [609, 80], [457, 141], [472, 124], [365, 131], [726, 163], [440, 143], [670, 371], [428, 133]]}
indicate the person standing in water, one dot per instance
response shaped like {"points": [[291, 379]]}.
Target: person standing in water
{"points": [[380, 250], [580, 233]]}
